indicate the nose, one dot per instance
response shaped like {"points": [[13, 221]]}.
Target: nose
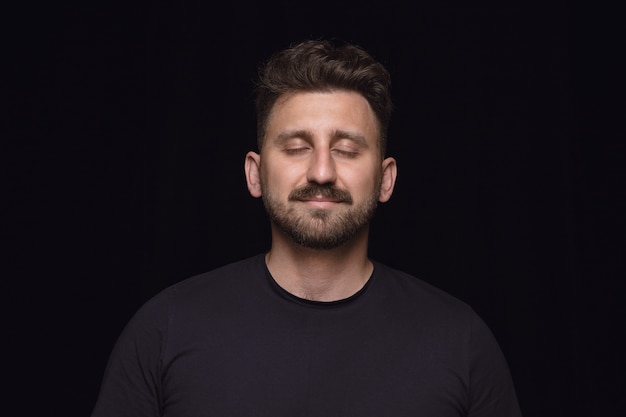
{"points": [[322, 168]]}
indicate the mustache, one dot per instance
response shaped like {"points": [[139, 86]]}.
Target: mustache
{"points": [[325, 191]]}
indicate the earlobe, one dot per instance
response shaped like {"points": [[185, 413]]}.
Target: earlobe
{"points": [[389, 175], [252, 168]]}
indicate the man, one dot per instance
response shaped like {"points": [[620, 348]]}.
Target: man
{"points": [[313, 327]]}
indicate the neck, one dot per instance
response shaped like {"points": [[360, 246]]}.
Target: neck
{"points": [[320, 275]]}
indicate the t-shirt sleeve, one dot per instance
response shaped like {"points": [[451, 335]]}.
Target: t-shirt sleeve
{"points": [[492, 393], [131, 385]]}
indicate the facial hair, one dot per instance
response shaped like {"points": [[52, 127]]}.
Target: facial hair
{"points": [[320, 228]]}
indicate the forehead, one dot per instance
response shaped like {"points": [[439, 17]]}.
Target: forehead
{"points": [[319, 111]]}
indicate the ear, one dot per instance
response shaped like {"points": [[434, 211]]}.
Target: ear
{"points": [[389, 174], [252, 168]]}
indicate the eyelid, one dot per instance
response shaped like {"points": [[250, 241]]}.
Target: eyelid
{"points": [[295, 150], [295, 142], [350, 143], [347, 146], [346, 152]]}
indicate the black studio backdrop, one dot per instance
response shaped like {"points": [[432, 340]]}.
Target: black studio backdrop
{"points": [[127, 129]]}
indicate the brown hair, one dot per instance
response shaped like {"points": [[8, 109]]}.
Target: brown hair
{"points": [[318, 65]]}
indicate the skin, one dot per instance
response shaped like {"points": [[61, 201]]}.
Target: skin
{"points": [[321, 138]]}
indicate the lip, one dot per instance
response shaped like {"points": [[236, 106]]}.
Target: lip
{"points": [[321, 199], [320, 202]]}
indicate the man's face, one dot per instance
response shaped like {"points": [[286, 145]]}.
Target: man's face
{"points": [[320, 167]]}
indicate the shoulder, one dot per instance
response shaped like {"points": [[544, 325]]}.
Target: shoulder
{"points": [[417, 304], [417, 293], [449, 332], [229, 275], [436, 315], [220, 286]]}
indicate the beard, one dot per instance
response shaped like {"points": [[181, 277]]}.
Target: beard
{"points": [[320, 228]]}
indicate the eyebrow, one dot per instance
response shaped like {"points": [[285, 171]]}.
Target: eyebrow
{"points": [[356, 137], [307, 135], [296, 133]]}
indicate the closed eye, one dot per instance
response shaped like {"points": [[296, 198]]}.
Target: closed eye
{"points": [[346, 153], [295, 151]]}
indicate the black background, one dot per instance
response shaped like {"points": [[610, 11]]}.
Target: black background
{"points": [[126, 127]]}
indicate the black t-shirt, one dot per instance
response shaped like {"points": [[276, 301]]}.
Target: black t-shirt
{"points": [[231, 342]]}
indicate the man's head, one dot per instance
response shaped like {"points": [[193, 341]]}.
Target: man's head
{"points": [[321, 66], [321, 170]]}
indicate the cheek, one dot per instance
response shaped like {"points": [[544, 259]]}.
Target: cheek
{"points": [[364, 183], [279, 180]]}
